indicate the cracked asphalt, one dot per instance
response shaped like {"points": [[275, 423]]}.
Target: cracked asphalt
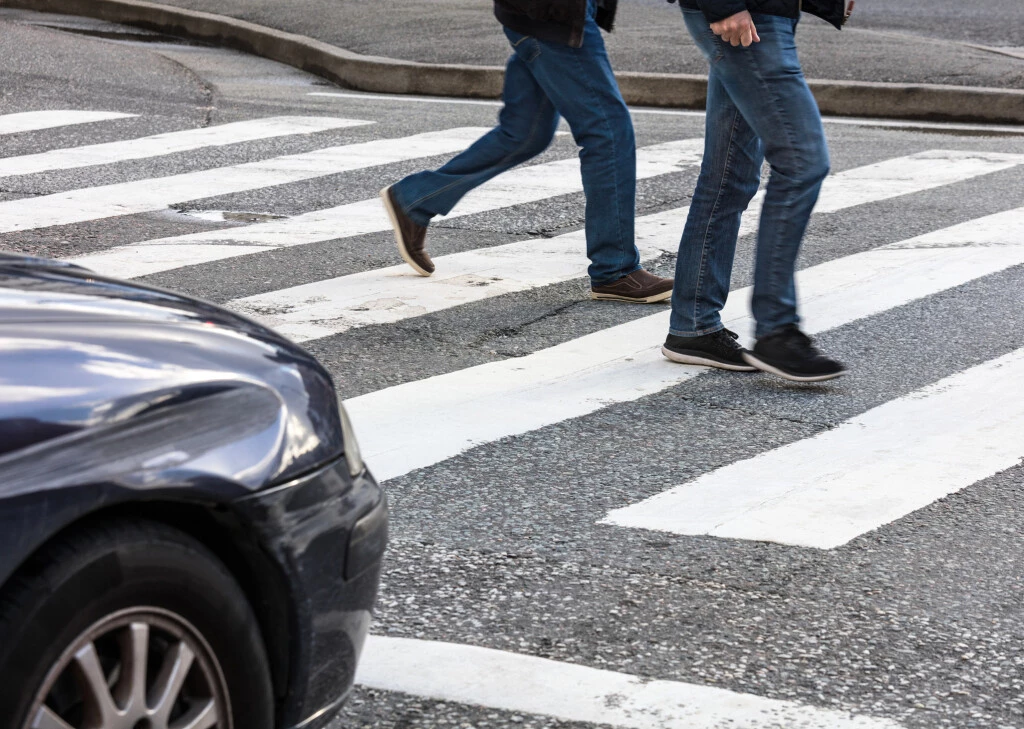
{"points": [[920, 621]]}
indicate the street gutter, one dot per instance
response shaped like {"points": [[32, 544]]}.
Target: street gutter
{"points": [[930, 102]]}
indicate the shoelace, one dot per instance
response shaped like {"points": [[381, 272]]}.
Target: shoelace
{"points": [[729, 339], [803, 345]]}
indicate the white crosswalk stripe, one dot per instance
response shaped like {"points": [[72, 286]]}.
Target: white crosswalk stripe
{"points": [[871, 470], [159, 145], [895, 177], [421, 423], [516, 187], [31, 121], [514, 682], [323, 308], [153, 194], [389, 295]]}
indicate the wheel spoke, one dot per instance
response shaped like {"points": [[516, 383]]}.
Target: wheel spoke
{"points": [[198, 717], [131, 689], [46, 719], [93, 681], [168, 684]]}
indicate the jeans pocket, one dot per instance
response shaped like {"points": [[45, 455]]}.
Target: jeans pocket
{"points": [[710, 45], [526, 47]]}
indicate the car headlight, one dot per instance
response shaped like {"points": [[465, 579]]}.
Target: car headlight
{"points": [[352, 454]]}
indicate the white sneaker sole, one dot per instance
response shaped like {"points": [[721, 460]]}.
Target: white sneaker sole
{"points": [[765, 367], [704, 361], [385, 198]]}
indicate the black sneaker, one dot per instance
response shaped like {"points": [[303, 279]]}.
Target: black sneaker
{"points": [[718, 349], [790, 354]]}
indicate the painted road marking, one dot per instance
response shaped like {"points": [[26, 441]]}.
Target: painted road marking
{"points": [[389, 295], [516, 187], [870, 471], [895, 177], [514, 682], [159, 145], [418, 424], [385, 296], [30, 121], [127, 198]]}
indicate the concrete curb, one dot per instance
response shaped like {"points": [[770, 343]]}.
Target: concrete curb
{"points": [[930, 102]]}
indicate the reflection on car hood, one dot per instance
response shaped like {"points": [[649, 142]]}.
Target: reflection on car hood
{"points": [[88, 363], [39, 289]]}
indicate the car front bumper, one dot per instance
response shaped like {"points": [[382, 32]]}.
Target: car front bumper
{"points": [[327, 533]]}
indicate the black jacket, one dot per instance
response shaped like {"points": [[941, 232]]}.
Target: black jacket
{"points": [[558, 21], [834, 11]]}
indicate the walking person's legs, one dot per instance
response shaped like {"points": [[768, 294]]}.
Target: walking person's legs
{"points": [[582, 86], [729, 177], [526, 126], [545, 79], [766, 84]]}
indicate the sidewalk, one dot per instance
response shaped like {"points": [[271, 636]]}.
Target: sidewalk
{"points": [[456, 48], [649, 37]]}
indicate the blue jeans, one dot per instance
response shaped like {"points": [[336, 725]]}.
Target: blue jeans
{"points": [[759, 107], [542, 82]]}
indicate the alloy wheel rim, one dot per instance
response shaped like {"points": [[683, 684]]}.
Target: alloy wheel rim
{"points": [[141, 668]]}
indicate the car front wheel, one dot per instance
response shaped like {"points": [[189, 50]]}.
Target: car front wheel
{"points": [[130, 626]]}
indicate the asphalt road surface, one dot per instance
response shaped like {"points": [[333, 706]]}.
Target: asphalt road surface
{"points": [[585, 534]]}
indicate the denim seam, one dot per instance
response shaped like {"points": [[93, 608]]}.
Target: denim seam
{"points": [[711, 217], [784, 120], [608, 128]]}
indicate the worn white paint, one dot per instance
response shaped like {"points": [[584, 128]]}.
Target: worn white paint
{"points": [[895, 177], [519, 683], [871, 470], [388, 295], [159, 145], [392, 294], [421, 423], [516, 187], [153, 194], [30, 121]]}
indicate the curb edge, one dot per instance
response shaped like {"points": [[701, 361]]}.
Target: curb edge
{"points": [[925, 102]]}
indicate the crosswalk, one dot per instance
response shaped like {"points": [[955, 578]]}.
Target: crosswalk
{"points": [[624, 363], [33, 121], [826, 489]]}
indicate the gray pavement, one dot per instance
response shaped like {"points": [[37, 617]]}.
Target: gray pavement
{"points": [[902, 41], [918, 621]]}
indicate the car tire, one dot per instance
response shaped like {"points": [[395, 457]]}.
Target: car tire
{"points": [[128, 603]]}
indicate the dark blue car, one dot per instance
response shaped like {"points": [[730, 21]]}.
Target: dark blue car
{"points": [[188, 536]]}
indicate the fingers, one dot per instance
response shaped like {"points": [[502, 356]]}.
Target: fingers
{"points": [[737, 30], [748, 36]]}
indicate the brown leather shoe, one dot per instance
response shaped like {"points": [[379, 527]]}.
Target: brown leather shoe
{"points": [[411, 238], [639, 287]]}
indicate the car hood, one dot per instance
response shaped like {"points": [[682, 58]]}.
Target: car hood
{"points": [[107, 380]]}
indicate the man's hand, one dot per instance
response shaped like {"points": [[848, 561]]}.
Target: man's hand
{"points": [[737, 29]]}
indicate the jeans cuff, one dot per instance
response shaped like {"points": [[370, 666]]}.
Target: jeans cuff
{"points": [[419, 219], [614, 278], [698, 333]]}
